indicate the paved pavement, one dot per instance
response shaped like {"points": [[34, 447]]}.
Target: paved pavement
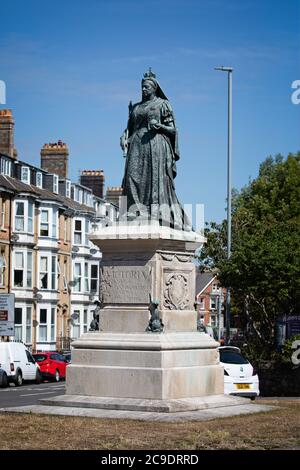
{"points": [[29, 394], [25, 399]]}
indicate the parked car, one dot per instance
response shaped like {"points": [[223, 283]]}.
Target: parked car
{"points": [[240, 378], [17, 364], [68, 357], [52, 364], [3, 379]]}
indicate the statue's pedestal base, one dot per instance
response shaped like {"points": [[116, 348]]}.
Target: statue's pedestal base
{"points": [[145, 366], [122, 362], [145, 405]]}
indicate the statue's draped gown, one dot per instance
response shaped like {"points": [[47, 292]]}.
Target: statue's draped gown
{"points": [[151, 166]]}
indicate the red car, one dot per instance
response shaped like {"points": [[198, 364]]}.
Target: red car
{"points": [[52, 365]]}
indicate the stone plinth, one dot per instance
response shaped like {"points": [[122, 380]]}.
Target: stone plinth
{"points": [[122, 360], [153, 366], [142, 263]]}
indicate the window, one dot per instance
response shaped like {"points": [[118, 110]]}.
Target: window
{"points": [[94, 278], [19, 217], [28, 324], [29, 269], [52, 329], [213, 304], [2, 268], [85, 320], [19, 269], [30, 217], [39, 180], [2, 215], [78, 232], [87, 226], [44, 272], [47, 324], [54, 223], [25, 174], [215, 288], [22, 268], [5, 166], [18, 324], [24, 216], [68, 188], [86, 277], [43, 325], [55, 184], [44, 227], [77, 277], [202, 303], [53, 272]]}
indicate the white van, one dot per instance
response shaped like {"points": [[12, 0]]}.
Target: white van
{"points": [[17, 364]]}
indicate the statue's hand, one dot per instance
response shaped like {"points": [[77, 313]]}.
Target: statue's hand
{"points": [[154, 124]]}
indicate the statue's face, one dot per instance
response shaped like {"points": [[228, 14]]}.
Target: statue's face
{"points": [[148, 89]]}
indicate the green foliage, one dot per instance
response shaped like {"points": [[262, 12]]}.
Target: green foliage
{"points": [[264, 269]]}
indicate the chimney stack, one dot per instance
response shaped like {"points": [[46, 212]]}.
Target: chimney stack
{"points": [[94, 180], [7, 133], [113, 195], [54, 158]]}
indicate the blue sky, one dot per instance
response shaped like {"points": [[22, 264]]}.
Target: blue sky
{"points": [[71, 67]]}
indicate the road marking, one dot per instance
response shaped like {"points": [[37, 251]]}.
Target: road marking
{"points": [[31, 394]]}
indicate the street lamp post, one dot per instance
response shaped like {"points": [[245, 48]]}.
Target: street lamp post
{"points": [[229, 155]]}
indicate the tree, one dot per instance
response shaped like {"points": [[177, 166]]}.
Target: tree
{"points": [[264, 269]]}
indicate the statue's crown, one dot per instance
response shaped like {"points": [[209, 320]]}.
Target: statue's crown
{"points": [[149, 74]]}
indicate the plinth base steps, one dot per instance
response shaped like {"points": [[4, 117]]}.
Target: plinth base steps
{"points": [[132, 404]]}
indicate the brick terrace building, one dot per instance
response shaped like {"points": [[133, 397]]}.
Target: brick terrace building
{"points": [[46, 257], [208, 290]]}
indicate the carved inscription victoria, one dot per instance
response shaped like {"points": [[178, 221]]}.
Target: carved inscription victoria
{"points": [[125, 284]]}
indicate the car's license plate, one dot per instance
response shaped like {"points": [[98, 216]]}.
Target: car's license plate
{"points": [[242, 386]]}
